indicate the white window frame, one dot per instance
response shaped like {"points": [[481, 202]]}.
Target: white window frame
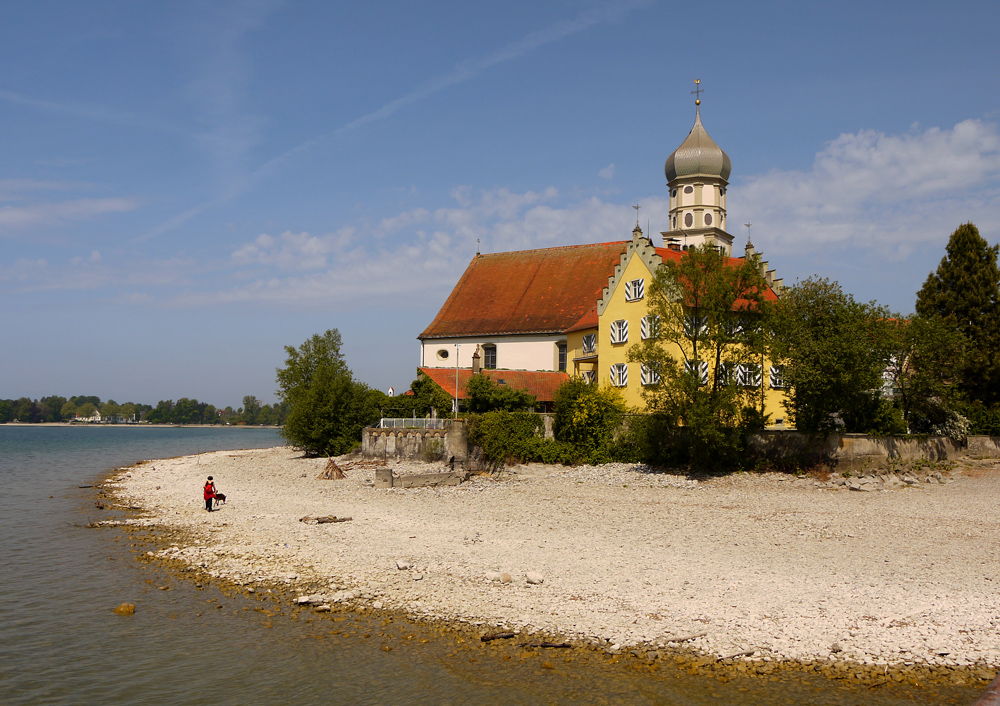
{"points": [[748, 375], [692, 320], [591, 339], [650, 374], [619, 331], [778, 377], [619, 375], [702, 370], [635, 290], [649, 327]]}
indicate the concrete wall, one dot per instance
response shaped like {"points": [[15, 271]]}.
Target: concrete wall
{"points": [[855, 451], [416, 444], [984, 446]]}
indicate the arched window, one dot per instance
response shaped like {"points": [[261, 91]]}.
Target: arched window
{"points": [[490, 356]]}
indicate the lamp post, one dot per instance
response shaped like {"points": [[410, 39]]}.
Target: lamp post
{"points": [[455, 414]]}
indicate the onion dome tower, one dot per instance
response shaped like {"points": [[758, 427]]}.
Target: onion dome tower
{"points": [[697, 176]]}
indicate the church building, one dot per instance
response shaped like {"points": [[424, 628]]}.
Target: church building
{"points": [[575, 310]]}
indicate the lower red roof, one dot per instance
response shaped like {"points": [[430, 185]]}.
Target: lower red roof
{"points": [[540, 383]]}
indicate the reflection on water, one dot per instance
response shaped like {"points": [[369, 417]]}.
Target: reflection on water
{"points": [[60, 643]]}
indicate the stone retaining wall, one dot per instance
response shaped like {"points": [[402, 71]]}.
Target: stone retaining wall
{"points": [[858, 451], [416, 444], [984, 446]]}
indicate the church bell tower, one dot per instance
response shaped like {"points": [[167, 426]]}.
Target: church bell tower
{"points": [[697, 177]]}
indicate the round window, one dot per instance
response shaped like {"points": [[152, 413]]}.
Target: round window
{"points": [[688, 220], [688, 189], [708, 219], [443, 354]]}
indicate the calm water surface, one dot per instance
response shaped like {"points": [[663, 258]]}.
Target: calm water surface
{"points": [[61, 644]]}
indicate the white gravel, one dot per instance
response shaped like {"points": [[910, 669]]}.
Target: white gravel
{"points": [[756, 562]]}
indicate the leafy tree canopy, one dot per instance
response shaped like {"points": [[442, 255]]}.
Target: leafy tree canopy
{"points": [[964, 293], [708, 315], [327, 408], [834, 350], [483, 394], [588, 416]]}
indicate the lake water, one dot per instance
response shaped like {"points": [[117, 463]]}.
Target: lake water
{"points": [[61, 644]]}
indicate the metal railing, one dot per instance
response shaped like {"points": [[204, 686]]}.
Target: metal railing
{"points": [[407, 423]]}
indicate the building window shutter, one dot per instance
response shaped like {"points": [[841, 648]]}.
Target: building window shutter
{"points": [[619, 331], [650, 374], [635, 290], [589, 343], [694, 324], [777, 377], [649, 327], [589, 376], [748, 375], [702, 368], [619, 375]]}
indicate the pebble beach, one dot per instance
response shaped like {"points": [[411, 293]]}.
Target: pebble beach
{"points": [[757, 567]]}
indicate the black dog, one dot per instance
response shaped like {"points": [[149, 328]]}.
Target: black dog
{"points": [[219, 498]]}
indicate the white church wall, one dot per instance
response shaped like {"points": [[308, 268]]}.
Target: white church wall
{"points": [[526, 352]]}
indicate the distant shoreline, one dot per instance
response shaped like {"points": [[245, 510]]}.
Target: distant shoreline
{"points": [[88, 425]]}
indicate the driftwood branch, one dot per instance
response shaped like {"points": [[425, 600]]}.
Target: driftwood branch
{"points": [[498, 636], [685, 639], [326, 519], [545, 644], [745, 653]]}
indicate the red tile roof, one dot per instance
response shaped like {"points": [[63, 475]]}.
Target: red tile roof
{"points": [[588, 320], [540, 383], [528, 291]]}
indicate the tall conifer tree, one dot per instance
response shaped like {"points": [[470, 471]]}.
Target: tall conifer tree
{"points": [[964, 293]]}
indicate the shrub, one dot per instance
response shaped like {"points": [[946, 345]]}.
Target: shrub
{"points": [[588, 417]]}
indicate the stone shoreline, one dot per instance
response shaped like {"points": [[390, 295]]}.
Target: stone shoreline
{"points": [[757, 570]]}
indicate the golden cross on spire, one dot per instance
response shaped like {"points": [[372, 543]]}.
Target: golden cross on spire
{"points": [[698, 90]]}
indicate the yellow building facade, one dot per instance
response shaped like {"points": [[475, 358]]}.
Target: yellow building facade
{"points": [[599, 345]]}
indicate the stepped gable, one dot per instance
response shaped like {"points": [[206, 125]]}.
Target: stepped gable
{"points": [[527, 291], [540, 383]]}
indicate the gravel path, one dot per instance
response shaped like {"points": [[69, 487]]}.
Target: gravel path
{"points": [[781, 567]]}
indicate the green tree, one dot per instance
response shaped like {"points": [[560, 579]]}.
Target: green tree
{"points": [[50, 408], [163, 413], [86, 410], [251, 409], [68, 410], [6, 411], [924, 364], [110, 410], [964, 292], [834, 351], [483, 394], [588, 416], [128, 411], [704, 354], [327, 408]]}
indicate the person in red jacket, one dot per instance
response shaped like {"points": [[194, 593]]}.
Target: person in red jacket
{"points": [[209, 493]]}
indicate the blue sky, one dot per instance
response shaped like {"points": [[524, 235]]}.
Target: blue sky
{"points": [[187, 187]]}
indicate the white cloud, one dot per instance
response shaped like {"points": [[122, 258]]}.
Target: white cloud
{"points": [[427, 252], [15, 217], [608, 172], [878, 192]]}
